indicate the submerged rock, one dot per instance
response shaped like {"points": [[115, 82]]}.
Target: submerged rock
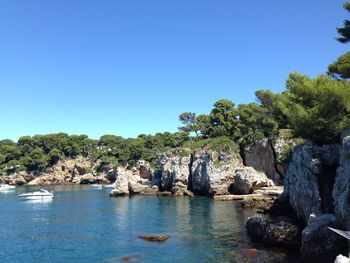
{"points": [[155, 238], [256, 226], [281, 233]]}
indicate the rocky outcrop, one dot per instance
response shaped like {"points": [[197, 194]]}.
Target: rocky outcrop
{"points": [[273, 233], [18, 178], [85, 179], [320, 244], [264, 155], [310, 178], [213, 173], [207, 173], [45, 179], [341, 190], [246, 180], [130, 182], [261, 156], [173, 169]]}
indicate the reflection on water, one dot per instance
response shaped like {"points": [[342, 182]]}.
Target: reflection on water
{"points": [[84, 225], [38, 201]]}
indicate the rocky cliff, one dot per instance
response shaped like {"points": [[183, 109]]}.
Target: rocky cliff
{"points": [[266, 156], [206, 173], [317, 186], [69, 171]]}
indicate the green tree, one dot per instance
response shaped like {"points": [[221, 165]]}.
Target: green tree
{"points": [[317, 109], [223, 119], [340, 69], [189, 121], [344, 32], [256, 121]]}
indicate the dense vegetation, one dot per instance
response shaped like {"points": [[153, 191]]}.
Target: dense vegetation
{"points": [[317, 109]]}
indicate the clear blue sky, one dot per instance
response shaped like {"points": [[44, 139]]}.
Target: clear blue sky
{"points": [[127, 67]]}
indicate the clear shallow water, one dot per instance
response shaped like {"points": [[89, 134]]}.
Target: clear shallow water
{"points": [[85, 225]]}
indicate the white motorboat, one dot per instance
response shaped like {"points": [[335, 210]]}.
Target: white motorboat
{"points": [[6, 187], [38, 195], [109, 186]]}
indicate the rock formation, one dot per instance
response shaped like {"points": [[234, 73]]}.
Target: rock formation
{"points": [[263, 155], [129, 181], [310, 178], [341, 190]]}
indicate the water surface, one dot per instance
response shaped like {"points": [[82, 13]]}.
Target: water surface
{"points": [[85, 225]]}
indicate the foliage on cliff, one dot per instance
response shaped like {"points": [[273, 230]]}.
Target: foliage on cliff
{"points": [[41, 151]]}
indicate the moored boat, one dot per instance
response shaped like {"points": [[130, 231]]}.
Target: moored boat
{"points": [[37, 195], [6, 187]]}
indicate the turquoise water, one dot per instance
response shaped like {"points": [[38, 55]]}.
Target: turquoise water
{"points": [[86, 225]]}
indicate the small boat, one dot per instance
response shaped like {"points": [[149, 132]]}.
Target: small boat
{"points": [[38, 195], [97, 186], [6, 187], [109, 186]]}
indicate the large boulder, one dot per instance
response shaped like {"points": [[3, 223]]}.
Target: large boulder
{"points": [[310, 178], [319, 243], [246, 180], [341, 190], [122, 182], [129, 182], [256, 226], [85, 179], [213, 173], [281, 233]]}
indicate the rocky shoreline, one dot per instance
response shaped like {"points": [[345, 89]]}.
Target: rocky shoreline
{"points": [[315, 195]]}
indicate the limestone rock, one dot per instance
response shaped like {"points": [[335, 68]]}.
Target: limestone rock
{"points": [[341, 190], [173, 168], [122, 182], [261, 156], [128, 181], [213, 174], [85, 179], [45, 179], [246, 180], [309, 179]]}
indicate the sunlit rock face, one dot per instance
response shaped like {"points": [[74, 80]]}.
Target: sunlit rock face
{"points": [[212, 173]]}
